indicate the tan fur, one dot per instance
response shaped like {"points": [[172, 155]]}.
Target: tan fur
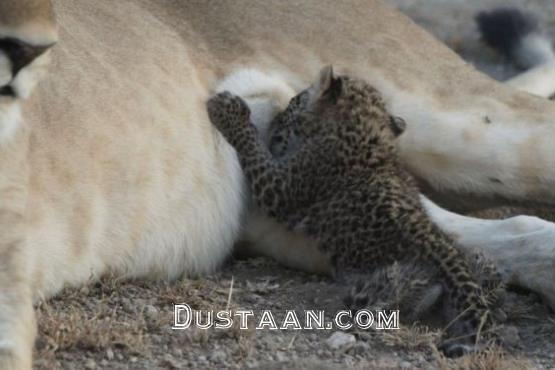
{"points": [[18, 12], [31, 21], [121, 171]]}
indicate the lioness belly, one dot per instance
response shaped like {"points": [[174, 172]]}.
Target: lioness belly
{"points": [[127, 174]]}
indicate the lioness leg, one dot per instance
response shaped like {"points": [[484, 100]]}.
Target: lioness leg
{"points": [[23, 39], [17, 322], [522, 246]]}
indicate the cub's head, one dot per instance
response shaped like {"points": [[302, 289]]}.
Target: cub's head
{"points": [[334, 104]]}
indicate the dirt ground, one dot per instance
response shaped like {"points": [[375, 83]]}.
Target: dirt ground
{"points": [[127, 325]]}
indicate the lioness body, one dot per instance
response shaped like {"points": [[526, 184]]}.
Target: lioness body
{"points": [[126, 173]]}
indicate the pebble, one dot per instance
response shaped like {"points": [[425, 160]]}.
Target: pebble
{"points": [[510, 335], [151, 313], [252, 363], [340, 339], [170, 362], [281, 357], [128, 306], [218, 356], [90, 364], [109, 354], [177, 352], [360, 349], [387, 362]]}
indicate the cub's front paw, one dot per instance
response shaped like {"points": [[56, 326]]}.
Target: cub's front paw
{"points": [[228, 113]]}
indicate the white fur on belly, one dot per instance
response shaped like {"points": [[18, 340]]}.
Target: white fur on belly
{"points": [[265, 93]]}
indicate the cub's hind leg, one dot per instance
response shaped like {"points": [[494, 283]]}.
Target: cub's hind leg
{"points": [[403, 286], [465, 306], [490, 281]]}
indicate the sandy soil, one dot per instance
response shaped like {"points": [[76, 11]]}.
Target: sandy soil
{"points": [[127, 325]]}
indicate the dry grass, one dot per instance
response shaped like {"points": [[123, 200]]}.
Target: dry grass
{"points": [[494, 358], [411, 338], [199, 294], [76, 329]]}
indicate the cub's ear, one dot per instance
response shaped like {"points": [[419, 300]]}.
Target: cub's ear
{"points": [[326, 85], [325, 78], [397, 125]]}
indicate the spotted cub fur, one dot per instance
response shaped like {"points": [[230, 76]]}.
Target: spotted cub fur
{"points": [[337, 178]]}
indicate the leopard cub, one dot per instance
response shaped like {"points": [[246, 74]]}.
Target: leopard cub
{"points": [[332, 172]]}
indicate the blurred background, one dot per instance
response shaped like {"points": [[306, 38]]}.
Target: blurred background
{"points": [[452, 21]]}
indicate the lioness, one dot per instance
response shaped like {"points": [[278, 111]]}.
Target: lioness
{"points": [[113, 166]]}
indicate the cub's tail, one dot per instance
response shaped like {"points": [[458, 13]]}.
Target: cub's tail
{"points": [[516, 34]]}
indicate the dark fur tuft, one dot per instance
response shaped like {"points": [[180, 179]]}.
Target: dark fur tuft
{"points": [[504, 28]]}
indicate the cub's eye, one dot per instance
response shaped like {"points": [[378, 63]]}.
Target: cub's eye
{"points": [[397, 125]]}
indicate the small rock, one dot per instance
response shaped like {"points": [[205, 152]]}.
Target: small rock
{"points": [[218, 356], [340, 339], [405, 365], [128, 306], [509, 335], [252, 364], [262, 287], [151, 312], [41, 344], [281, 357], [90, 364], [170, 362], [360, 349], [109, 354], [387, 362]]}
